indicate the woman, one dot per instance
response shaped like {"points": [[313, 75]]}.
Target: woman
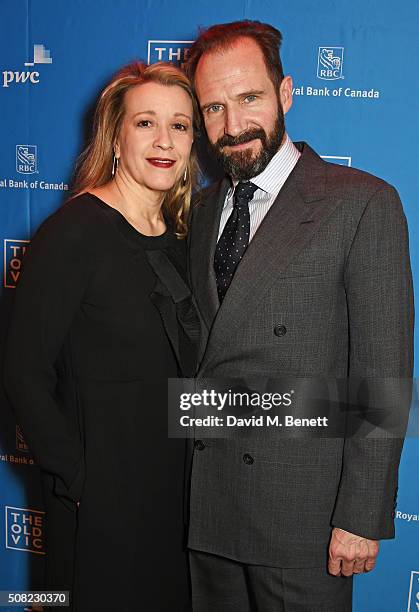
{"points": [[102, 318]]}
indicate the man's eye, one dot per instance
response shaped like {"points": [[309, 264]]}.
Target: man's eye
{"points": [[180, 126], [250, 98], [144, 123], [215, 108]]}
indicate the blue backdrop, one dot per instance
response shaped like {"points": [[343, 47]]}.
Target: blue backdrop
{"points": [[355, 69]]}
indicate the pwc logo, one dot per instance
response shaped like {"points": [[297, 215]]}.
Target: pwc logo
{"points": [[41, 55]]}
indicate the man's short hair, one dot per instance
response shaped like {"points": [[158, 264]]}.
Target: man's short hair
{"points": [[223, 36]]}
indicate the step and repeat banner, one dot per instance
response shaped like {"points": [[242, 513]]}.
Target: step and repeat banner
{"points": [[356, 95]]}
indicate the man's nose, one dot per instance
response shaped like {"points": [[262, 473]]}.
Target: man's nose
{"points": [[235, 122]]}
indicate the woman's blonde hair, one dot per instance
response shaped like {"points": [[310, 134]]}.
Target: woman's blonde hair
{"points": [[94, 166]]}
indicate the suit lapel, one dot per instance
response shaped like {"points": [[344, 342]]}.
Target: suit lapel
{"points": [[288, 226], [205, 224]]}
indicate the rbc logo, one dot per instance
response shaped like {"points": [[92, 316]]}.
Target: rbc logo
{"points": [[168, 51], [330, 63], [24, 529], [20, 441], [26, 159]]}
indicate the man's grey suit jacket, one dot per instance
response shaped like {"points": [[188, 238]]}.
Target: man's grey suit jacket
{"points": [[329, 263]]}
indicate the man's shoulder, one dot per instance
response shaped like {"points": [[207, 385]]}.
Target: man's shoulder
{"points": [[347, 176], [347, 180], [346, 189], [357, 188]]}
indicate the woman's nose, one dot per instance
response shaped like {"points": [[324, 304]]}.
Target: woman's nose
{"points": [[163, 139]]}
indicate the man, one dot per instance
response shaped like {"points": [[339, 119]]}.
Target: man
{"points": [[300, 268]]}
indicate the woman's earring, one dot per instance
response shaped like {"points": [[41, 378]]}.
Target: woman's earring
{"points": [[115, 163], [185, 176]]}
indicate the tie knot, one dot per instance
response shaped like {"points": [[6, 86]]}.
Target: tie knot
{"points": [[244, 192]]}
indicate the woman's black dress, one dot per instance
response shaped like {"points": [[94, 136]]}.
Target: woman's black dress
{"points": [[95, 335]]}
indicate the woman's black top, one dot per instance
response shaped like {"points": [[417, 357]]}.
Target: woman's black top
{"points": [[96, 332]]}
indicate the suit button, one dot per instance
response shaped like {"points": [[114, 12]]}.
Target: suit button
{"points": [[248, 459], [199, 445], [280, 330]]}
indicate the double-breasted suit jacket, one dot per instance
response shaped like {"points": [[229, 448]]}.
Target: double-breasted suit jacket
{"points": [[324, 289]]}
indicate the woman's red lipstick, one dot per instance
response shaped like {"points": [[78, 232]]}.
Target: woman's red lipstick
{"points": [[161, 162]]}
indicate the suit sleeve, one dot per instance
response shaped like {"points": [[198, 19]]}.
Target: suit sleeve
{"points": [[48, 296], [379, 294]]}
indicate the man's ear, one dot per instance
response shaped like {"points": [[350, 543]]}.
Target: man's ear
{"points": [[285, 93]]}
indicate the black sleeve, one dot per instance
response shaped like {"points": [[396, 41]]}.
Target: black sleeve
{"points": [[50, 290]]}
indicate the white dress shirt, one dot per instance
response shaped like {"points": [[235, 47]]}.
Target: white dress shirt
{"points": [[269, 183]]}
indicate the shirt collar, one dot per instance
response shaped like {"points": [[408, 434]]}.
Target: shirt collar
{"points": [[277, 171]]}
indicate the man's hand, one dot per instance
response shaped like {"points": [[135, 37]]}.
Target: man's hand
{"points": [[351, 554]]}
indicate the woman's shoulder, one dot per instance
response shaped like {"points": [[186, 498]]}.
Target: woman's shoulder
{"points": [[77, 217], [77, 226], [81, 210]]}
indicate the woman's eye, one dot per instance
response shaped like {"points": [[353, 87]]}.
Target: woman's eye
{"points": [[144, 123], [180, 126]]}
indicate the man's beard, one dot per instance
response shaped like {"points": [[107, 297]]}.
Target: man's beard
{"points": [[244, 165]]}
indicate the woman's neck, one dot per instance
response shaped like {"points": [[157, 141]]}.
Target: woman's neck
{"points": [[141, 207]]}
